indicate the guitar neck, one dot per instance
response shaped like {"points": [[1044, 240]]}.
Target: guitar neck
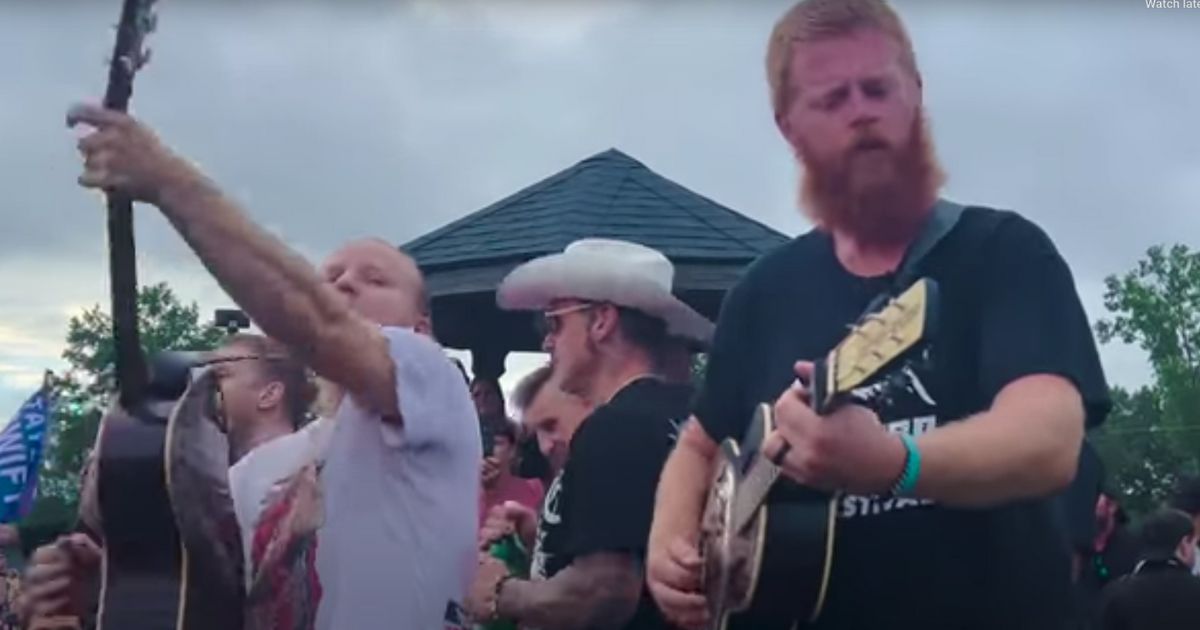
{"points": [[130, 363]]}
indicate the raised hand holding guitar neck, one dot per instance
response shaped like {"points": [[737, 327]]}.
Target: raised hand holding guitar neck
{"points": [[847, 450]]}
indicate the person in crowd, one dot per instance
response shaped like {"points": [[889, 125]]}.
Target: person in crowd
{"points": [[945, 505], [265, 395], [551, 417], [504, 486], [1161, 593], [609, 312], [1186, 499], [382, 509]]}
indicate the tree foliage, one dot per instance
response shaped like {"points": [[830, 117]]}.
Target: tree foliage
{"points": [[164, 323], [1141, 454], [1153, 434]]}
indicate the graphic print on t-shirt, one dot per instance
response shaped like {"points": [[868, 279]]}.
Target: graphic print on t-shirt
{"points": [[548, 521], [913, 411]]}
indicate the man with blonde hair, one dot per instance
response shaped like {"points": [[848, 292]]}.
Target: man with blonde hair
{"points": [[944, 507]]}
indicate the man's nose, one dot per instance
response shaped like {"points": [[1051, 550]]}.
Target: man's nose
{"points": [[345, 286], [863, 111]]}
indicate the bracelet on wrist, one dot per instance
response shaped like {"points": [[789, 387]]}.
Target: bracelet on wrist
{"points": [[494, 613], [907, 481]]}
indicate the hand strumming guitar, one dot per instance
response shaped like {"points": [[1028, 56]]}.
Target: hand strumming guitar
{"points": [[673, 565], [673, 577], [848, 450]]}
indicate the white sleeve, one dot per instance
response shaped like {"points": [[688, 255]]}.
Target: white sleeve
{"points": [[434, 399]]}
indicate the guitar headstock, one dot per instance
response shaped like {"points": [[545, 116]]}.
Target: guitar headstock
{"points": [[130, 53], [877, 343]]}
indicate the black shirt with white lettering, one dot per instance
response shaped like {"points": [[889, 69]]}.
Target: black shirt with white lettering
{"points": [[1009, 308], [603, 500]]}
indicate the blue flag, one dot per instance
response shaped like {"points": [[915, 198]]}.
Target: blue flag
{"points": [[21, 445]]}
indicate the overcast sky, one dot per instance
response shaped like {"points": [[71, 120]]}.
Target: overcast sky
{"points": [[332, 120]]}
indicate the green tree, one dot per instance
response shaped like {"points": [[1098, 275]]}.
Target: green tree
{"points": [[1138, 450], [1157, 307], [164, 323]]}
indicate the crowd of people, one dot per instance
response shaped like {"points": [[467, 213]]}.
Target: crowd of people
{"points": [[388, 510]]}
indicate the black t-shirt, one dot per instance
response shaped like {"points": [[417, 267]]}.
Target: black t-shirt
{"points": [[603, 500], [1009, 308]]}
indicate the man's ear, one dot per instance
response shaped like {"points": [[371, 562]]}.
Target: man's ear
{"points": [[1186, 548], [424, 326], [787, 131], [602, 321], [784, 125], [270, 396]]}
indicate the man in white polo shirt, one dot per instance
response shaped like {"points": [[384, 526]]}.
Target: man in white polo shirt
{"points": [[380, 513]]}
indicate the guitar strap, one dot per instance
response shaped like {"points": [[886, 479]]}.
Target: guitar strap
{"points": [[944, 217]]}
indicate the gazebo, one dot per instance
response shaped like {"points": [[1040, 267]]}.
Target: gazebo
{"points": [[607, 195]]}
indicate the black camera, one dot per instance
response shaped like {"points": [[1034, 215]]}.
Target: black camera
{"points": [[231, 319]]}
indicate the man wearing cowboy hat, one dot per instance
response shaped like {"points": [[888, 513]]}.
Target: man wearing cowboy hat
{"points": [[609, 315]]}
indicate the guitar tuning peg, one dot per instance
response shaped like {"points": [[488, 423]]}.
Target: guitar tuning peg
{"points": [[143, 57]]}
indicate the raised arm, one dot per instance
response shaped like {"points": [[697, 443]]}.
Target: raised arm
{"points": [[277, 288]]}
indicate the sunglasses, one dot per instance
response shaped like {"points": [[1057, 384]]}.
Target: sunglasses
{"points": [[551, 321]]}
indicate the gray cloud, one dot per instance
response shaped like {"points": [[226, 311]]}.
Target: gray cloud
{"points": [[334, 120]]}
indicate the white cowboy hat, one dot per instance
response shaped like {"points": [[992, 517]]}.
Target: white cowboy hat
{"points": [[605, 270]]}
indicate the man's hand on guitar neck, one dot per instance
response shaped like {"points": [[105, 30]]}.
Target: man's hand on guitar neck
{"points": [[125, 155], [848, 450], [281, 291]]}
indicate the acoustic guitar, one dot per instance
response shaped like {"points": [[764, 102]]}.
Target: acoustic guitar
{"points": [[172, 549], [770, 560]]}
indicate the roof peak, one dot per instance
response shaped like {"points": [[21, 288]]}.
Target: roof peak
{"points": [[607, 194]]}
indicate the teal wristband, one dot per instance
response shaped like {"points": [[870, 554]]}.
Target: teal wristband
{"points": [[912, 467]]}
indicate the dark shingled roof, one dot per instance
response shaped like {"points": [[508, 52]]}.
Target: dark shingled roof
{"points": [[607, 195]]}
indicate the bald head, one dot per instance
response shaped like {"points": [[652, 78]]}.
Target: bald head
{"points": [[380, 282]]}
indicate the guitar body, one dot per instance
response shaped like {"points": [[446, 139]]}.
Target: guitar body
{"points": [[143, 563], [776, 566], [172, 547], [767, 557]]}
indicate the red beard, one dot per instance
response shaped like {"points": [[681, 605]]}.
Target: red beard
{"points": [[876, 192]]}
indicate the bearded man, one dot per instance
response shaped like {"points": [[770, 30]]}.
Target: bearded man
{"points": [[945, 510]]}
